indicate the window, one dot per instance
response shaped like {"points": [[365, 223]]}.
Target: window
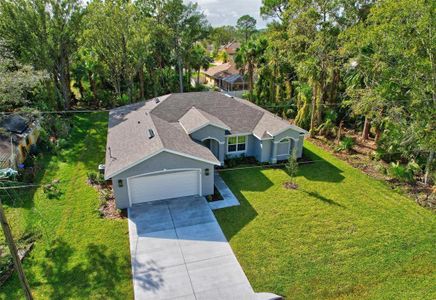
{"points": [[236, 144]]}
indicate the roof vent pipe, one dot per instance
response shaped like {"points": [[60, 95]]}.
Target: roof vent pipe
{"points": [[150, 134]]}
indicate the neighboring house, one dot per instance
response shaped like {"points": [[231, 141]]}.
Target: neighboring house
{"points": [[17, 135], [231, 49], [168, 147], [226, 77]]}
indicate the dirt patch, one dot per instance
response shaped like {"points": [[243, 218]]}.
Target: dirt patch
{"points": [[290, 185], [359, 156]]}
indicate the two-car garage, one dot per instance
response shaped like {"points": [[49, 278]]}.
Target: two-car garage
{"points": [[164, 185], [163, 176]]}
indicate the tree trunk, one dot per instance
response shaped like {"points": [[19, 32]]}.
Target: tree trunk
{"points": [[63, 73], [14, 253], [179, 64], [366, 127], [188, 79], [81, 89], [377, 134], [93, 85], [250, 79], [288, 90], [141, 82], [428, 166], [198, 77], [312, 117], [339, 135]]}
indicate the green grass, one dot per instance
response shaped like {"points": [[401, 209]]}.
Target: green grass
{"points": [[341, 235], [78, 255]]}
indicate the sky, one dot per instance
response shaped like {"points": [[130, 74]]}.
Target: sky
{"points": [[227, 12]]}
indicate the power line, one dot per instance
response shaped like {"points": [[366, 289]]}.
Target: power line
{"points": [[54, 111]]}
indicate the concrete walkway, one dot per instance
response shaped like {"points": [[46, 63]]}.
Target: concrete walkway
{"points": [[229, 199], [179, 252]]}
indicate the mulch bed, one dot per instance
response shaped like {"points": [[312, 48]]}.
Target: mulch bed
{"points": [[290, 185], [108, 209], [216, 196]]}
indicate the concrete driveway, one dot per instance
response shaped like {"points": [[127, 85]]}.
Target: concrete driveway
{"points": [[179, 252]]}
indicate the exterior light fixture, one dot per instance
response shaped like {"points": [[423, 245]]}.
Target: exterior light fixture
{"points": [[206, 172], [120, 183]]}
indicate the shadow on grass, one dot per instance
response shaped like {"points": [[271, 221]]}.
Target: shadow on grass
{"points": [[233, 219], [98, 274], [320, 169], [322, 198]]}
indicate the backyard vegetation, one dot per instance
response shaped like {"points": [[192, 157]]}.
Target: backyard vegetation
{"points": [[78, 254], [341, 234]]}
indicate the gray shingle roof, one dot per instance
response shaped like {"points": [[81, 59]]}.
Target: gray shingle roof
{"points": [[172, 118], [233, 112], [195, 119], [234, 78]]}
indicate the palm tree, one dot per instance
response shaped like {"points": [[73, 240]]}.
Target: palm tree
{"points": [[248, 57], [199, 60]]}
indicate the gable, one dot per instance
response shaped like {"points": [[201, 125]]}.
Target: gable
{"points": [[161, 161]]}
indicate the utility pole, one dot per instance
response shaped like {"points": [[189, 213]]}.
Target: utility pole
{"points": [[14, 254]]}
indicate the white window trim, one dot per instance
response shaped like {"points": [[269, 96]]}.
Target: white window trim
{"points": [[237, 138]]}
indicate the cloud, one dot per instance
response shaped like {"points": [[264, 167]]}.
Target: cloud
{"points": [[227, 12]]}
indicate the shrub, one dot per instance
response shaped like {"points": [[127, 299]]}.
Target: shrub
{"points": [[96, 178], [92, 177], [52, 190], [346, 144], [404, 173], [292, 168]]}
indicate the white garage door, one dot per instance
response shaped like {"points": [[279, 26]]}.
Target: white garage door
{"points": [[164, 186]]}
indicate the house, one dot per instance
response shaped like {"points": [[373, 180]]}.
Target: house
{"points": [[168, 147], [17, 136], [231, 48], [226, 77]]}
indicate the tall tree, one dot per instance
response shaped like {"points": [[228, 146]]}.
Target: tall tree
{"points": [[274, 8], [247, 26], [187, 25], [107, 33], [17, 83], [248, 57], [199, 60], [395, 52], [43, 33]]}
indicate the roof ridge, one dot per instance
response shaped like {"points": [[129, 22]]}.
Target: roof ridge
{"points": [[201, 111]]}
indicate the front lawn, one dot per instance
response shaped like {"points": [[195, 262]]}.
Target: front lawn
{"points": [[78, 255], [341, 235]]}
